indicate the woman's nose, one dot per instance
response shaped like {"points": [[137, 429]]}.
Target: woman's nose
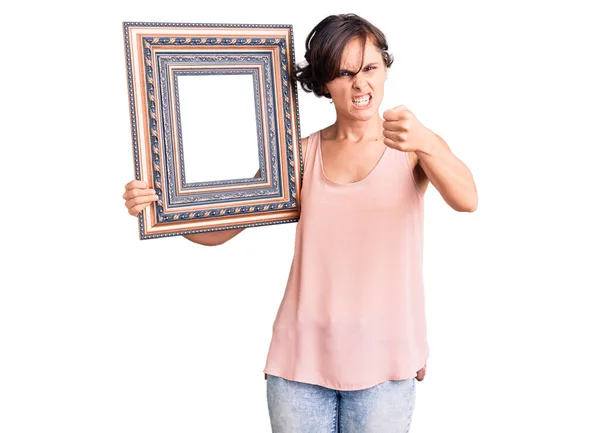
{"points": [[359, 82]]}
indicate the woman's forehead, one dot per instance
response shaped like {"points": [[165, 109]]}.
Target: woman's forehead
{"points": [[352, 56]]}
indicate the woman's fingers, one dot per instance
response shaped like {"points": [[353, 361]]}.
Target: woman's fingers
{"points": [[136, 204], [136, 184], [137, 192], [134, 210], [138, 196]]}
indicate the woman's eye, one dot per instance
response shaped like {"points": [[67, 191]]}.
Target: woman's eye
{"points": [[369, 68], [344, 73]]}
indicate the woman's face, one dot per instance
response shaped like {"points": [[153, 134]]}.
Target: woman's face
{"points": [[359, 96]]}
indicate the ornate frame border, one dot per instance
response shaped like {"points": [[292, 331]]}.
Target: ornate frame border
{"points": [[156, 53]]}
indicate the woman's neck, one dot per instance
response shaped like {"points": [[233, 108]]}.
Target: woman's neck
{"points": [[355, 131]]}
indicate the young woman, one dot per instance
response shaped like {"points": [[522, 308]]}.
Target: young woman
{"points": [[349, 338]]}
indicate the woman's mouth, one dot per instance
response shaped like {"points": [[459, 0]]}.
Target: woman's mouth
{"points": [[362, 101]]}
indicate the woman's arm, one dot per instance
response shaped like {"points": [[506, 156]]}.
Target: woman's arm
{"points": [[450, 176], [212, 239]]}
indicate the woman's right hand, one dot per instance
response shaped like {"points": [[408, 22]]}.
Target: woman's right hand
{"points": [[137, 196]]}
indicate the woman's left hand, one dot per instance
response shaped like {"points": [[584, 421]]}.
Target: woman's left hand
{"points": [[403, 131], [421, 373]]}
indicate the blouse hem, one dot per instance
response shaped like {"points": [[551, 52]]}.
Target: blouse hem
{"points": [[338, 387]]}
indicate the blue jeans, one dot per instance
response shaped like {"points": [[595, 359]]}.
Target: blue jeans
{"points": [[296, 407]]}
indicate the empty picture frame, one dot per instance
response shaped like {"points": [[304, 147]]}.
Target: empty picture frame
{"points": [[215, 126]]}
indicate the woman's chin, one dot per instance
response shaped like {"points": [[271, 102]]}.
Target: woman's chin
{"points": [[364, 113]]}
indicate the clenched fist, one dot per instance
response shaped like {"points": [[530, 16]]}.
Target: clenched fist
{"points": [[403, 131]]}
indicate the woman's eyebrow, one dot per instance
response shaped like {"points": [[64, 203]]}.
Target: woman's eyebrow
{"points": [[349, 71], [352, 70]]}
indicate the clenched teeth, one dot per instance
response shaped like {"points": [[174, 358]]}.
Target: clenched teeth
{"points": [[362, 101]]}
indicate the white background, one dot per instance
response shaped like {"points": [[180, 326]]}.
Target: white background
{"points": [[210, 153], [102, 332]]}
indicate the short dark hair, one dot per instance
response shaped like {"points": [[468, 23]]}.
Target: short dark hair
{"points": [[325, 45]]}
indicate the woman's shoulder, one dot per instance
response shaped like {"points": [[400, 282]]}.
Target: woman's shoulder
{"points": [[305, 142], [311, 138]]}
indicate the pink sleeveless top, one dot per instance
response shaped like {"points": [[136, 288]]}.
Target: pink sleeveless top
{"points": [[353, 312]]}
